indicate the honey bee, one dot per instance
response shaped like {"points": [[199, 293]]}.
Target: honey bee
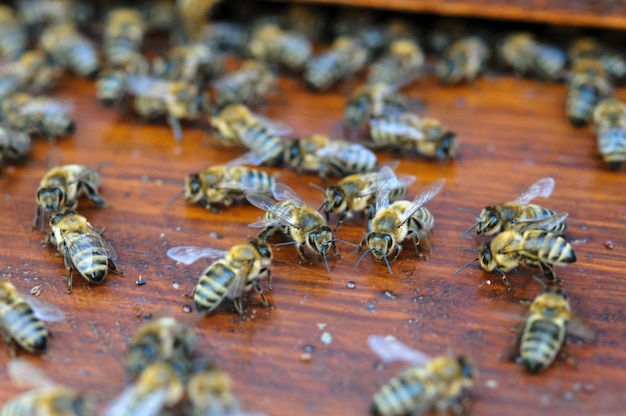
{"points": [[249, 85], [587, 86], [319, 153], [236, 271], [82, 248], [270, 43], [14, 144], [61, 187], [609, 123], [71, 49], [193, 15], [372, 100], [46, 397], [438, 383], [463, 60], [393, 223], [531, 248], [123, 33], [33, 72], [613, 62], [161, 340], [158, 387], [177, 100], [519, 214], [545, 330], [303, 224], [407, 132], [191, 63], [235, 123], [358, 193], [402, 62], [38, 115], [225, 36], [210, 391], [112, 82], [13, 36], [524, 54], [21, 319]]}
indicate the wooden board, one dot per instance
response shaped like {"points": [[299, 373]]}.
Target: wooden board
{"points": [[512, 132]]}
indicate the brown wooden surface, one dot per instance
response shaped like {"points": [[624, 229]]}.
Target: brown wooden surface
{"points": [[604, 13], [512, 132]]}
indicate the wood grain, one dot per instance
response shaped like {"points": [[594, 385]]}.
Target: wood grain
{"points": [[513, 131]]}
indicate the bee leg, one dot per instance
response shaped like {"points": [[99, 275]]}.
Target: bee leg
{"points": [[513, 351], [9, 340], [259, 290], [238, 306], [547, 271], [504, 279], [266, 233], [566, 355], [342, 218], [301, 253], [268, 277], [112, 267]]}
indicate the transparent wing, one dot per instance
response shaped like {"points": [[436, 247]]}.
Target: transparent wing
{"points": [[543, 223], [396, 128], [248, 158], [45, 311], [191, 254], [389, 349], [542, 188], [401, 181], [88, 242], [26, 375], [235, 79], [283, 192], [280, 217], [581, 329], [48, 107], [149, 87], [426, 195], [385, 183], [149, 405], [277, 127]]}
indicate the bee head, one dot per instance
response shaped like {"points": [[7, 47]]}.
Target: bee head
{"points": [[193, 188], [51, 198], [485, 257], [293, 153], [322, 240], [467, 369], [54, 220], [488, 222], [448, 147], [380, 245], [334, 199], [263, 248]]}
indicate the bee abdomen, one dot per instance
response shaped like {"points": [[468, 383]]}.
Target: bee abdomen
{"points": [[398, 397], [612, 146], [262, 141], [581, 101], [92, 265], [540, 345], [28, 330], [212, 287]]}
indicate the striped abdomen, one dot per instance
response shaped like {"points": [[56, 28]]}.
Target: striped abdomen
{"points": [[353, 158], [535, 212], [540, 343], [89, 258], [257, 137], [395, 130], [111, 86], [323, 71], [547, 247], [581, 100], [251, 180], [213, 286], [404, 394], [20, 322], [612, 145]]}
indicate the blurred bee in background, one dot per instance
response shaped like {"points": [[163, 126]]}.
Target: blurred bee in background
{"points": [[123, 34], [61, 187], [444, 32], [230, 37], [303, 224], [33, 72], [71, 49], [308, 19], [613, 62], [13, 36], [249, 85], [545, 330], [319, 153], [112, 83], [191, 63], [235, 123], [438, 384], [82, 248], [38, 115], [193, 15], [14, 145], [402, 63], [530, 247], [587, 85], [37, 14], [158, 387], [161, 340], [609, 123], [235, 272], [393, 223], [210, 391], [408, 132], [462, 61], [522, 52], [268, 42], [159, 15], [21, 319], [46, 397], [520, 214], [357, 192], [177, 100]]}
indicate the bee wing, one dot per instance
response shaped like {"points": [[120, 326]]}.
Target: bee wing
{"points": [[190, 254], [401, 181], [149, 87], [385, 183], [542, 188], [43, 310], [543, 223], [398, 129], [389, 349], [276, 127], [253, 157], [579, 328], [426, 195], [26, 375], [85, 242], [283, 192], [48, 106], [148, 405], [281, 218]]}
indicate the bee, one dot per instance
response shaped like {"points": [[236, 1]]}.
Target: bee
{"points": [[587, 86], [407, 132], [402, 62], [82, 248], [38, 115], [545, 330], [463, 60], [393, 223], [31, 72], [191, 63], [210, 391], [249, 85], [14, 144], [158, 387], [13, 36], [123, 33], [46, 397], [71, 48], [177, 100], [21, 319], [357, 192], [438, 383], [236, 271], [519, 214], [372, 100], [225, 36], [193, 15], [609, 123], [319, 153], [531, 247], [161, 340], [270, 43], [112, 82], [61, 187], [613, 62], [524, 54], [235, 123], [303, 224]]}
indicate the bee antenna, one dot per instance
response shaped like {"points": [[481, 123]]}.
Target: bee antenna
{"points": [[316, 186], [464, 233], [344, 241], [470, 211], [361, 258], [540, 281], [466, 266], [286, 243], [178, 195], [473, 250], [388, 265], [326, 263]]}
